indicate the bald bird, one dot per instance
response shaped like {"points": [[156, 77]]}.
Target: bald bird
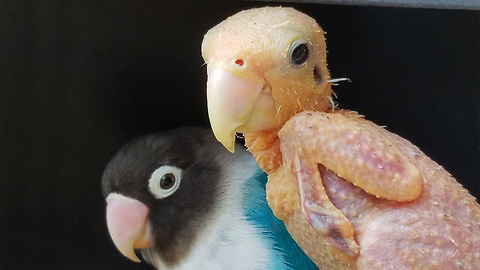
{"points": [[352, 194], [186, 203]]}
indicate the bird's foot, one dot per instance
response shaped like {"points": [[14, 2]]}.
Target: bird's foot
{"points": [[332, 225], [329, 222]]}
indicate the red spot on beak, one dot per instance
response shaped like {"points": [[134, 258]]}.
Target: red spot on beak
{"points": [[239, 62]]}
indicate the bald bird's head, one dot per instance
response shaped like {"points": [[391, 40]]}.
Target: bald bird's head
{"points": [[264, 66]]}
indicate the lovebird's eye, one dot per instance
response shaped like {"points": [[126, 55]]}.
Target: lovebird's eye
{"points": [[298, 52], [164, 181], [167, 181]]}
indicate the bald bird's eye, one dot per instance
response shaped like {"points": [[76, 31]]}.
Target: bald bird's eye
{"points": [[298, 52], [164, 181]]}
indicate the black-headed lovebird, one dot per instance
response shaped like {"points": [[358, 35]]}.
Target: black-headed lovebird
{"points": [[352, 194], [186, 203]]}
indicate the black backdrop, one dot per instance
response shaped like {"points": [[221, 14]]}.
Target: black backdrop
{"points": [[80, 78]]}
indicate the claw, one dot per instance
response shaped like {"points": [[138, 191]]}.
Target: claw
{"points": [[325, 218]]}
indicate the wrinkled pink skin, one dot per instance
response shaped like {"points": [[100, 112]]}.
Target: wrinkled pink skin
{"points": [[438, 230], [408, 213], [435, 231]]}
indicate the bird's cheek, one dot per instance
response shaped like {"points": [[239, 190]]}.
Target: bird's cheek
{"points": [[128, 224]]}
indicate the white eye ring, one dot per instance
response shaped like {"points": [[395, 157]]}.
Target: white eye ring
{"points": [[299, 53], [164, 181]]}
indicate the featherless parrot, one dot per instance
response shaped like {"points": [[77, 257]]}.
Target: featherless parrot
{"points": [[186, 203], [352, 194]]}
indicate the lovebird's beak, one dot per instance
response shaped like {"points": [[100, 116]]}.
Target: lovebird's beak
{"points": [[237, 101], [128, 225]]}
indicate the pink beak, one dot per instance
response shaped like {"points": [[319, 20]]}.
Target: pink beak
{"points": [[128, 225]]}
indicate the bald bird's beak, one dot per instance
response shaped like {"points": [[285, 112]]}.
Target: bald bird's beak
{"points": [[237, 101], [128, 225]]}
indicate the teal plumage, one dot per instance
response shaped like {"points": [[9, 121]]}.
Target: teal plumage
{"points": [[193, 205], [257, 211]]}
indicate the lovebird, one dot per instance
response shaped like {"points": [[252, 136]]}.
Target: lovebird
{"points": [[352, 194], [184, 202]]}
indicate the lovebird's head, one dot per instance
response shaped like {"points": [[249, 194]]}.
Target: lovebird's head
{"points": [[264, 66]]}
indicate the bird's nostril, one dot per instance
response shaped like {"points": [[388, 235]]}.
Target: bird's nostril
{"points": [[239, 62]]}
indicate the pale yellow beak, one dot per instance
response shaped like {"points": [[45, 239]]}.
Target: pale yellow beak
{"points": [[236, 102]]}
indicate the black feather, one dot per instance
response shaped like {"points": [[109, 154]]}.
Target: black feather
{"points": [[175, 219]]}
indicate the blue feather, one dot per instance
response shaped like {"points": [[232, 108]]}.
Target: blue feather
{"points": [[287, 255]]}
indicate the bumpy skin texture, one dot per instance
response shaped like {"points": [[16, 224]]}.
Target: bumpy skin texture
{"points": [[438, 230], [353, 195]]}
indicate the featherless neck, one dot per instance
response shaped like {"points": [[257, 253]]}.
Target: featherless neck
{"points": [[265, 148]]}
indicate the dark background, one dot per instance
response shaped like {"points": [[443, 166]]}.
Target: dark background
{"points": [[80, 78]]}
